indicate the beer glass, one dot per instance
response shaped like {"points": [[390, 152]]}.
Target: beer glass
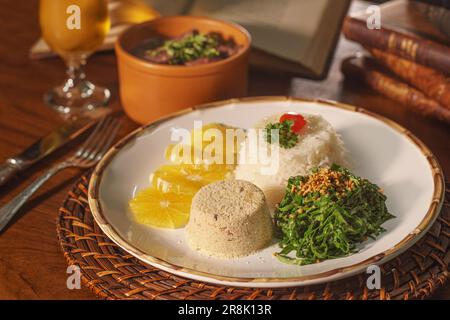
{"points": [[74, 29]]}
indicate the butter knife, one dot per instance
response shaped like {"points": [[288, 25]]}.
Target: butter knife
{"points": [[43, 147]]}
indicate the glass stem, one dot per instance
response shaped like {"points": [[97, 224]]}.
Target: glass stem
{"points": [[77, 95], [76, 85], [75, 73]]}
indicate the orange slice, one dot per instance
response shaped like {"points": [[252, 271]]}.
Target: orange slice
{"points": [[167, 203], [161, 209], [188, 179], [208, 145]]}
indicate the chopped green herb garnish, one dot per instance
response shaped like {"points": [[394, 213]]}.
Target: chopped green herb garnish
{"points": [[326, 214], [286, 137], [191, 47]]}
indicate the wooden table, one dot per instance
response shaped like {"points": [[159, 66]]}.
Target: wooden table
{"points": [[31, 264]]}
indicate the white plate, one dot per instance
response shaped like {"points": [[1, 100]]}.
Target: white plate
{"points": [[381, 151]]}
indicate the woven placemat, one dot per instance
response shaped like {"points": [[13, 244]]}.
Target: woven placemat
{"points": [[111, 273]]}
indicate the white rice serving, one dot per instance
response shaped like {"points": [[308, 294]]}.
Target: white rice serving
{"points": [[319, 145]]}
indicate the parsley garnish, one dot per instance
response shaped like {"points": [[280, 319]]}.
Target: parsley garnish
{"points": [[286, 138], [191, 47]]}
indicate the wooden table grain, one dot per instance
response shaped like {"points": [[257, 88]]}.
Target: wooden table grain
{"points": [[31, 264]]}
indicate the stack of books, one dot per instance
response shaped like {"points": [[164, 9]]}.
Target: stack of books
{"points": [[408, 58]]}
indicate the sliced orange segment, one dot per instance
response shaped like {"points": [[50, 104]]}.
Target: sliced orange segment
{"points": [[161, 209], [187, 179], [208, 145], [167, 203]]}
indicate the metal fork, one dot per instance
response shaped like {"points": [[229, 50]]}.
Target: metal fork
{"points": [[86, 156]]}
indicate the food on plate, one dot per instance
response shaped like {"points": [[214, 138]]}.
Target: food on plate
{"points": [[326, 214], [181, 180], [161, 209], [288, 129], [189, 49], [209, 144], [171, 192], [187, 178], [325, 211], [306, 141], [229, 219]]}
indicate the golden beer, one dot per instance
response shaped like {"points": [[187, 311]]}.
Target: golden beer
{"points": [[64, 38], [74, 29]]}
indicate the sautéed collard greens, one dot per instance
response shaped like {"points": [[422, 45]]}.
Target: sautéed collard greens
{"points": [[324, 215]]}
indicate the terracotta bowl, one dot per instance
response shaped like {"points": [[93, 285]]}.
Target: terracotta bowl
{"points": [[149, 91]]}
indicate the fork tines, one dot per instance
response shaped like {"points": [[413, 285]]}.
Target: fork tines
{"points": [[99, 141]]}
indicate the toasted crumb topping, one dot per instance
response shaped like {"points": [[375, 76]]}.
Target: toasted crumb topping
{"points": [[323, 181]]}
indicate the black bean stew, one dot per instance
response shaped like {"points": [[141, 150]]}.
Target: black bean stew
{"points": [[189, 49]]}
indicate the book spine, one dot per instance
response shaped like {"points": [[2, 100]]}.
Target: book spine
{"points": [[431, 82], [426, 52], [438, 16], [438, 3], [364, 69]]}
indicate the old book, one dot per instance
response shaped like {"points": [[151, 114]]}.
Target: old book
{"points": [[288, 35], [437, 3], [404, 32], [366, 70], [439, 16], [431, 82]]}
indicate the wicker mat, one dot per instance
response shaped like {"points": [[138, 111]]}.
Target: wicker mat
{"points": [[112, 273]]}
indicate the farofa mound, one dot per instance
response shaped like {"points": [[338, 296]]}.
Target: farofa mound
{"points": [[229, 219]]}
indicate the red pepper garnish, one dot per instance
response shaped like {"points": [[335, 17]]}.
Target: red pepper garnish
{"points": [[299, 121]]}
